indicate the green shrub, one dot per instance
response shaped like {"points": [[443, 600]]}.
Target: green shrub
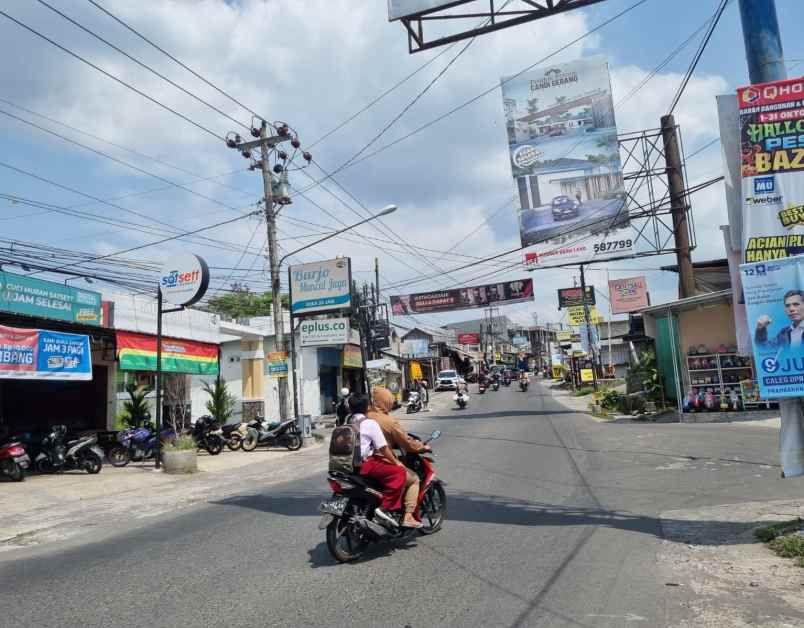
{"points": [[221, 402], [582, 392], [610, 399], [182, 442]]}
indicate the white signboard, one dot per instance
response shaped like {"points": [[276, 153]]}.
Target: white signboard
{"points": [[184, 279], [402, 8], [322, 333], [321, 286]]}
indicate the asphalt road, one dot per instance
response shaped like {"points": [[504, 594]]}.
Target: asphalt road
{"points": [[552, 522]]}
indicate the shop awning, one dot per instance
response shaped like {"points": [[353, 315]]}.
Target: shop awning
{"points": [[137, 352]]}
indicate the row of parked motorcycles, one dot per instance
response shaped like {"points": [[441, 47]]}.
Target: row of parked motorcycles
{"points": [[49, 452]]}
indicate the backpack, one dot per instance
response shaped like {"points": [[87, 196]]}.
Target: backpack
{"points": [[344, 448]]}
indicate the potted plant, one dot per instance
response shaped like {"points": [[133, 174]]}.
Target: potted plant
{"points": [[135, 411], [221, 402]]}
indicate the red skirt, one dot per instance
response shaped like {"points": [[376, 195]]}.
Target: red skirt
{"points": [[391, 476]]}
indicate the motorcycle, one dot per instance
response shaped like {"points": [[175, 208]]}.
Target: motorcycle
{"points": [[208, 435], [14, 461], [135, 444], [233, 434], [284, 434], [481, 388], [506, 381], [523, 384], [414, 403], [351, 519], [495, 385], [461, 398], [56, 456]]}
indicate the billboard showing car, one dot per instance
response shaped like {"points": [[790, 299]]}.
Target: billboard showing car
{"points": [[565, 162], [503, 293]]}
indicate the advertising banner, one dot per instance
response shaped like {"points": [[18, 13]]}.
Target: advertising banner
{"points": [[321, 333], [576, 316], [398, 9], [571, 297], [772, 163], [184, 279], [565, 161], [464, 298], [774, 300], [520, 341], [564, 336], [42, 354], [276, 364], [417, 347], [352, 357], [321, 286], [468, 339], [137, 352], [48, 299], [628, 295]]}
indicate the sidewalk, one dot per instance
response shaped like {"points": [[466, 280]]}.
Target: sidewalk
{"points": [[46, 508]]}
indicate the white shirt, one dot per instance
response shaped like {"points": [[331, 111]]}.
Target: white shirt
{"points": [[796, 334], [371, 436]]}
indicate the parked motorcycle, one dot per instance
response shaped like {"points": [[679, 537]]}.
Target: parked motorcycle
{"points": [[208, 435], [136, 444], [14, 461], [414, 403], [350, 517], [461, 398], [262, 432], [233, 434], [56, 456]]}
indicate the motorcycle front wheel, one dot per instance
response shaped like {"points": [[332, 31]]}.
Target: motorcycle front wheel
{"points": [[344, 545], [119, 456], [433, 509], [234, 441], [250, 441], [92, 464], [14, 471], [214, 446], [293, 442]]}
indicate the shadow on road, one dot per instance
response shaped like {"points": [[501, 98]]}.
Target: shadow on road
{"points": [[505, 414]]}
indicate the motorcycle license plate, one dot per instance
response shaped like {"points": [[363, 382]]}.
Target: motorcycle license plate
{"points": [[334, 507], [325, 521]]}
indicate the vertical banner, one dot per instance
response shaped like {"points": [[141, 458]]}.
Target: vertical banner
{"points": [[772, 160], [565, 161], [774, 299]]}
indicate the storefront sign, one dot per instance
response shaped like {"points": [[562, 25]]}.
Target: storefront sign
{"points": [[772, 168], [184, 279], [464, 298], [564, 336], [324, 332], [575, 315], [137, 352], [774, 300], [628, 295], [48, 299], [416, 371], [468, 339], [321, 286], [565, 163], [571, 297], [42, 354], [520, 341], [277, 364], [352, 357], [587, 375]]}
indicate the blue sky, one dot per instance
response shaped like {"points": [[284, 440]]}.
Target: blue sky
{"points": [[326, 61]]}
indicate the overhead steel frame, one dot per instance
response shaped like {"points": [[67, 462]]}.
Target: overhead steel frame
{"points": [[496, 17]]}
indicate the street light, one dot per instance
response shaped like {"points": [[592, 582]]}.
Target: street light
{"points": [[390, 209]]}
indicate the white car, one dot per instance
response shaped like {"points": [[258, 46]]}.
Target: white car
{"points": [[448, 380]]}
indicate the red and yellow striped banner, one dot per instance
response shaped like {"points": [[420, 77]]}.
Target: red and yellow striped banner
{"points": [[137, 352]]}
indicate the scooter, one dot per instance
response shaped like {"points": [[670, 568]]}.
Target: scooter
{"points": [[351, 518], [414, 403], [495, 385], [260, 432], [523, 384], [14, 461], [81, 453], [233, 433], [461, 398]]}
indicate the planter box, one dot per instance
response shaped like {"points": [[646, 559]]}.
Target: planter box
{"points": [[178, 462]]}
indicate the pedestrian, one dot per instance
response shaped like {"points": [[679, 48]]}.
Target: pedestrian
{"points": [[424, 395]]}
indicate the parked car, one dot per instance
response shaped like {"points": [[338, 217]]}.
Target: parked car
{"points": [[564, 207], [448, 380]]}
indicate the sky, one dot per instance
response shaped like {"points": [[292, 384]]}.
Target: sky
{"points": [[314, 64]]}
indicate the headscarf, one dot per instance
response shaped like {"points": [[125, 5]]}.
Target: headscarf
{"points": [[382, 400]]}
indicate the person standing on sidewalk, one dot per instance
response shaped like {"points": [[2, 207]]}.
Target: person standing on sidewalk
{"points": [[424, 394]]}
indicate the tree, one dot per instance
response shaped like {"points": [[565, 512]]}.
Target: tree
{"points": [[221, 402], [135, 411], [243, 303]]}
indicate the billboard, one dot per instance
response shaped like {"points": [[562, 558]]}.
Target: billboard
{"points": [[771, 163], [321, 333], [565, 161], [41, 354], [397, 9], [628, 295], [320, 286], [571, 297], [47, 299], [468, 339], [774, 300], [464, 298]]}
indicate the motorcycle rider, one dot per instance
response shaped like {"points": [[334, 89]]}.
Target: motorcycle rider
{"points": [[396, 436], [379, 461]]}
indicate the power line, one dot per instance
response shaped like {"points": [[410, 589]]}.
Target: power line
{"points": [[111, 76]]}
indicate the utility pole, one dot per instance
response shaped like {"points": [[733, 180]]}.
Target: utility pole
{"points": [[678, 206], [763, 43], [273, 261], [588, 328]]}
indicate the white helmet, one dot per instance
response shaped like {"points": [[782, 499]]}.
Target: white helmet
{"points": [[344, 392]]}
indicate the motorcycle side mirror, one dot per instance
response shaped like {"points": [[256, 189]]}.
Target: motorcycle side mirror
{"points": [[435, 435]]}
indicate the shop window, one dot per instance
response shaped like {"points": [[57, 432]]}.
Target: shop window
{"points": [[145, 379]]}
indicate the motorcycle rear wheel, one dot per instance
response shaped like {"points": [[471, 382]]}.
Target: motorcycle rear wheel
{"points": [[293, 442], [119, 456], [214, 446], [341, 542], [250, 441], [234, 441], [433, 509], [92, 464]]}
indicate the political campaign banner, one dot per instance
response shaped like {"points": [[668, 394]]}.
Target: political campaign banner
{"points": [[565, 162], [628, 295], [774, 300], [43, 354], [571, 297], [772, 167], [464, 298]]}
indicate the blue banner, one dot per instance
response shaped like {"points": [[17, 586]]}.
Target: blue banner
{"points": [[41, 354], [774, 299]]}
